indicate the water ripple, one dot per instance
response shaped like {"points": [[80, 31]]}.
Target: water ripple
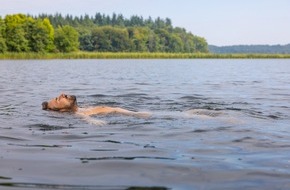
{"points": [[125, 158], [211, 120], [47, 127]]}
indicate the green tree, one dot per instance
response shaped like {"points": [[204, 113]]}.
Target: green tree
{"points": [[112, 39], [85, 39], [175, 44], [200, 44], [120, 20], [38, 35], [66, 39], [49, 30], [3, 47], [139, 37], [2, 27], [164, 38], [189, 44], [98, 20], [24, 33], [15, 33], [119, 38], [100, 40], [153, 42], [15, 39]]}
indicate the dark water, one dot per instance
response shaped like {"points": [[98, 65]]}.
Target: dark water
{"points": [[216, 124]]}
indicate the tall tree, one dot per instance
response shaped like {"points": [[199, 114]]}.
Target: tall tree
{"points": [[66, 39], [15, 33], [175, 44], [3, 47], [108, 38], [40, 36], [50, 34], [2, 26], [100, 41], [200, 44], [85, 39], [164, 37], [153, 42], [139, 37]]}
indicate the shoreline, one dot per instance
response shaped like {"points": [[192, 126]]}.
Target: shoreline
{"points": [[137, 55]]}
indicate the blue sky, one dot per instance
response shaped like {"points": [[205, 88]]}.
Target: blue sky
{"points": [[221, 22]]}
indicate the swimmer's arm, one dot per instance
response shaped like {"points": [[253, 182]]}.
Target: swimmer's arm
{"points": [[91, 120], [110, 110]]}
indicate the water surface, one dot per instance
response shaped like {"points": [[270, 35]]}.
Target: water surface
{"points": [[216, 124]]}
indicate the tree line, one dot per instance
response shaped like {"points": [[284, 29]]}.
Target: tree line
{"points": [[99, 33], [246, 49]]}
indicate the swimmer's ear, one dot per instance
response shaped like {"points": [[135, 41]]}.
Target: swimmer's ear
{"points": [[44, 105]]}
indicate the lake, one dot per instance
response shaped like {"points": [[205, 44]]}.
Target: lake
{"points": [[215, 124]]}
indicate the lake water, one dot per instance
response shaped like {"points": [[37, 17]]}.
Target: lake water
{"points": [[215, 124]]}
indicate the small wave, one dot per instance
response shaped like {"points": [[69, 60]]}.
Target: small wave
{"points": [[119, 142], [261, 143], [218, 129], [196, 106], [98, 95], [74, 187], [111, 141], [241, 103], [268, 174], [40, 145], [7, 107], [124, 158], [233, 109], [7, 110], [132, 95], [142, 83], [3, 177], [46, 127], [128, 95], [205, 112], [104, 150], [224, 116], [194, 97], [273, 116], [242, 139], [264, 115], [11, 138]]}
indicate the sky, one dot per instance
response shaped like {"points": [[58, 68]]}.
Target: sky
{"points": [[220, 22]]}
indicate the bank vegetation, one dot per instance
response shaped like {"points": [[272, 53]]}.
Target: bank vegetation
{"points": [[137, 55]]}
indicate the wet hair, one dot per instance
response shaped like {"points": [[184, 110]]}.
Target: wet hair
{"points": [[44, 105]]}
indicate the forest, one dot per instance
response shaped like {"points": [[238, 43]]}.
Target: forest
{"points": [[100, 33], [254, 49]]}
